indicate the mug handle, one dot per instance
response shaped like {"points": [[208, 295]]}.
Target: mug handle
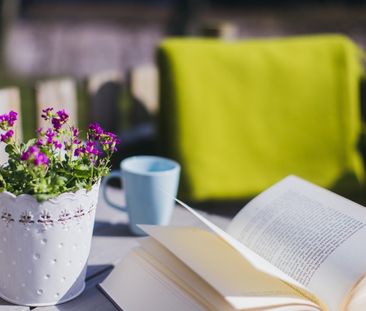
{"points": [[113, 174]]}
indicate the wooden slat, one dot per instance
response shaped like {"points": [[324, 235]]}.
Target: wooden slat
{"points": [[104, 89], [144, 85], [222, 30], [59, 94], [10, 100]]}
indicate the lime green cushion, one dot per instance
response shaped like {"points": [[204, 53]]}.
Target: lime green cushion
{"points": [[241, 115]]}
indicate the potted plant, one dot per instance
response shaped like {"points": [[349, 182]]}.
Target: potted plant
{"points": [[48, 196]]}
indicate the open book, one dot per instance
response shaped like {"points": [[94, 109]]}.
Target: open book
{"points": [[294, 247]]}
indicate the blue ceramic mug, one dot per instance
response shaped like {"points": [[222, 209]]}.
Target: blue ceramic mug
{"points": [[150, 185]]}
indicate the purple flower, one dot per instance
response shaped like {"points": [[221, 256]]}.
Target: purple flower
{"points": [[12, 117], [91, 148], [95, 131], [75, 136], [59, 119], [39, 142], [35, 156], [63, 115], [50, 134], [109, 141], [75, 132], [47, 113], [45, 150], [7, 136], [8, 120], [24, 156], [49, 137], [107, 138], [79, 151], [40, 159], [57, 144], [56, 124]]}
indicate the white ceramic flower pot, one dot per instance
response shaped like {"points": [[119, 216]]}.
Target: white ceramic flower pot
{"points": [[44, 247]]}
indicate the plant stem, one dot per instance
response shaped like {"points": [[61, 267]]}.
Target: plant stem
{"points": [[92, 178]]}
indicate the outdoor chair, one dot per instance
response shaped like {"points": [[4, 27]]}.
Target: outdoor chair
{"points": [[239, 116]]}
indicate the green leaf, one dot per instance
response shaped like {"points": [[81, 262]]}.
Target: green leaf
{"points": [[9, 149], [82, 167], [60, 180], [81, 174], [40, 197], [30, 142], [19, 168]]}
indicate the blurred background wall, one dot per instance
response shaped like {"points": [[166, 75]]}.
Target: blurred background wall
{"points": [[47, 39], [79, 37]]}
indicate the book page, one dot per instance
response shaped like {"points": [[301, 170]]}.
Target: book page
{"points": [[173, 268], [253, 258], [221, 266], [311, 234], [357, 301], [257, 261], [136, 285]]}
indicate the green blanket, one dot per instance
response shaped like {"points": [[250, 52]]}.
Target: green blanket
{"points": [[240, 116]]}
